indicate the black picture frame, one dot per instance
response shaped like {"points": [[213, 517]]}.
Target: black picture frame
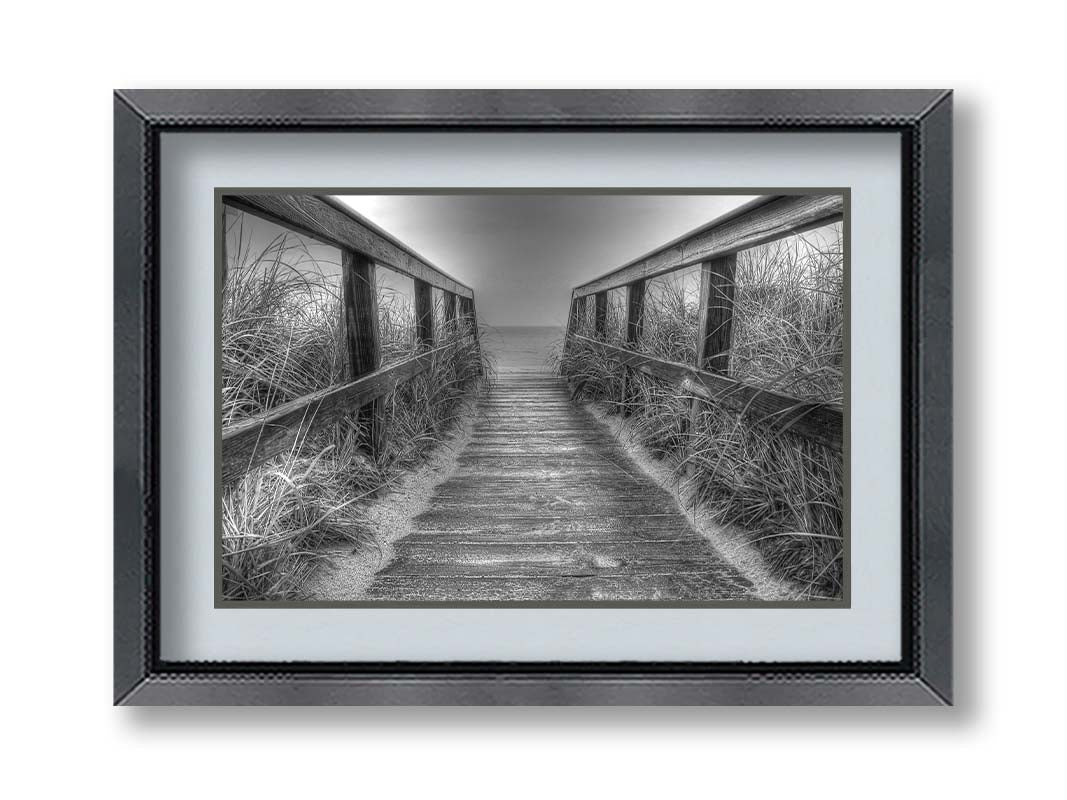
{"points": [[923, 676]]}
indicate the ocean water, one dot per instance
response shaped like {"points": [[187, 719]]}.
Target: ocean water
{"points": [[522, 349]]}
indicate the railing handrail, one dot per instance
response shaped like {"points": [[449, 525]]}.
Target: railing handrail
{"points": [[330, 222], [812, 419], [757, 222], [251, 441]]}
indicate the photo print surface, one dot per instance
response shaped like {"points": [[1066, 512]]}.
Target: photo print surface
{"points": [[532, 398]]}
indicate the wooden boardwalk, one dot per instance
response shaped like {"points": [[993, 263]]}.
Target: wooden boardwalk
{"points": [[544, 505]]}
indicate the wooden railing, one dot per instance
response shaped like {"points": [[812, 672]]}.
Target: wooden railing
{"points": [[363, 245], [714, 247]]}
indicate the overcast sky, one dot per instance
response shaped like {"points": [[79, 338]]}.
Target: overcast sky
{"points": [[522, 254]]}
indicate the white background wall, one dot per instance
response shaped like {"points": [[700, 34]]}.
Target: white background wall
{"points": [[59, 66]]}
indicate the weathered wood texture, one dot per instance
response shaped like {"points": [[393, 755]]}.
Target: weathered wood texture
{"points": [[635, 312], [572, 326], [581, 312], [600, 318], [253, 441], [361, 329], [772, 218], [822, 422], [466, 312], [324, 220], [544, 505], [361, 314], [450, 311], [635, 321], [715, 322], [572, 318], [424, 312]]}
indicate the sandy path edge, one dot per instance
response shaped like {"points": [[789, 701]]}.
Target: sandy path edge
{"points": [[348, 573], [737, 552]]}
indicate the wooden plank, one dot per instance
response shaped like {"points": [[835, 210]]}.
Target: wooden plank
{"points": [[361, 330], [582, 311], [323, 219], [507, 438], [465, 314], [572, 326], [474, 320], [469, 316], [593, 468], [570, 564], [487, 505], [635, 312], [450, 311], [424, 313], [600, 317], [520, 549], [553, 487], [714, 331], [253, 441], [477, 337], [772, 218], [822, 422], [361, 314], [533, 535], [704, 585], [715, 325], [572, 320], [635, 321], [524, 524]]}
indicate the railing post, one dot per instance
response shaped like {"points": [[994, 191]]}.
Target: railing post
{"points": [[469, 321], [601, 317], [423, 313], [477, 336], [578, 306], [466, 316], [581, 311], [714, 327], [450, 313], [470, 318], [361, 328], [635, 320], [635, 313], [572, 325]]}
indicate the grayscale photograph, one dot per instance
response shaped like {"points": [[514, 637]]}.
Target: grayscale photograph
{"points": [[532, 397]]}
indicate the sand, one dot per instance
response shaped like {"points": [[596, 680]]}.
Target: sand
{"points": [[728, 543], [349, 571]]}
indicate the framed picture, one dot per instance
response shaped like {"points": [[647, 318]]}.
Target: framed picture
{"points": [[533, 397]]}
